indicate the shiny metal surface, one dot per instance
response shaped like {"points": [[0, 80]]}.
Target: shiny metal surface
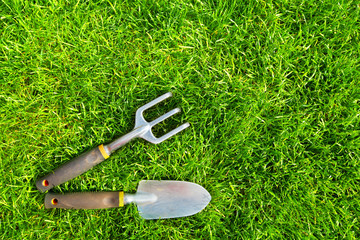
{"points": [[143, 128], [173, 199]]}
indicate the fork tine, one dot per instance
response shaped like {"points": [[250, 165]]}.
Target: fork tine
{"points": [[165, 116], [149, 136], [172, 133], [154, 102], [144, 128]]}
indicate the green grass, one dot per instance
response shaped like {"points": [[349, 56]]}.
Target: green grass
{"points": [[271, 89]]}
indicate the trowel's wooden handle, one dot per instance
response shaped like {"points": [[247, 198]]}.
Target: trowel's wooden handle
{"points": [[72, 169], [86, 200]]}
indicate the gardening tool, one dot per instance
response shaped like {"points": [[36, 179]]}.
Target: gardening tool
{"points": [[154, 199], [97, 155]]}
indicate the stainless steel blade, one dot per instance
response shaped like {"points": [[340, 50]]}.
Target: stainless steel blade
{"points": [[173, 199]]}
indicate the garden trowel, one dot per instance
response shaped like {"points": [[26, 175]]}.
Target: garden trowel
{"points": [[154, 199]]}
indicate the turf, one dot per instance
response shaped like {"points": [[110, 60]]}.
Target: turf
{"points": [[271, 89]]}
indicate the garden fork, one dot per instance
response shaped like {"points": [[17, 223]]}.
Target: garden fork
{"points": [[97, 155]]}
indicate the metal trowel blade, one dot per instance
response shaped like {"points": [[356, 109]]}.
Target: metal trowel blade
{"points": [[173, 199]]}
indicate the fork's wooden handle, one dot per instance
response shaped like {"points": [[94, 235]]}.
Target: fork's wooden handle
{"points": [[72, 169], [85, 200]]}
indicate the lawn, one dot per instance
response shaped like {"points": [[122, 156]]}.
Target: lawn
{"points": [[271, 90]]}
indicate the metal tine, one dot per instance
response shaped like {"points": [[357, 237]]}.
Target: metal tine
{"points": [[154, 102], [149, 136], [173, 132], [165, 116], [141, 122]]}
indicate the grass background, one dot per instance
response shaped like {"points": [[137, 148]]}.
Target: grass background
{"points": [[271, 89]]}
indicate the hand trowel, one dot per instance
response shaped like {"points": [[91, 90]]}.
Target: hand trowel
{"points": [[154, 199]]}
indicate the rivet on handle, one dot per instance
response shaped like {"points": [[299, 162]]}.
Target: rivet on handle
{"points": [[45, 183], [54, 201]]}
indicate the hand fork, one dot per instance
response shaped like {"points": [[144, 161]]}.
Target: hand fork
{"points": [[97, 155]]}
